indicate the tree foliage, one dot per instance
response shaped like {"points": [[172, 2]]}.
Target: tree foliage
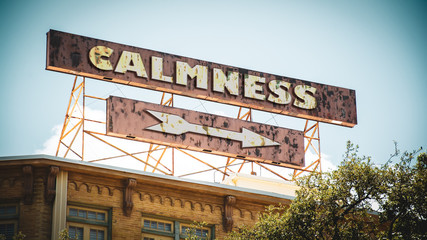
{"points": [[405, 208], [64, 235], [18, 236], [357, 201], [194, 231]]}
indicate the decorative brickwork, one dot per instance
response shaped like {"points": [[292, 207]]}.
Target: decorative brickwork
{"points": [[28, 184], [113, 191], [127, 197], [50, 184], [229, 203]]}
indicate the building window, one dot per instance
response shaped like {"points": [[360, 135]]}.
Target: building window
{"points": [[157, 229], [201, 233], [87, 214], [147, 236], [87, 223], [8, 220], [75, 232], [163, 228], [158, 225]]}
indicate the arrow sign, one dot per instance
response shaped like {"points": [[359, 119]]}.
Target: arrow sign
{"points": [[174, 124], [203, 132]]}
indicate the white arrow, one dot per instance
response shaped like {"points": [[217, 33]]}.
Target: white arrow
{"points": [[174, 124]]}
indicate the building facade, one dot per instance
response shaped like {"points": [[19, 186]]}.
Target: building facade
{"points": [[41, 195]]}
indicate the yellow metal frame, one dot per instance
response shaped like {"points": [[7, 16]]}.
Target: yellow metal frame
{"points": [[312, 137], [74, 125], [68, 127], [76, 111]]}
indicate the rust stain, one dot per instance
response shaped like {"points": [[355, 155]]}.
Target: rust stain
{"points": [[290, 150], [118, 63]]}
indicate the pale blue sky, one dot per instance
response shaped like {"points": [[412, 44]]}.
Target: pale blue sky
{"points": [[377, 48]]}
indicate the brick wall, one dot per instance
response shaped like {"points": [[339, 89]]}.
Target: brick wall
{"points": [[157, 200], [35, 218], [87, 186]]}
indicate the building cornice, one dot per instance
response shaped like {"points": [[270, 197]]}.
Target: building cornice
{"points": [[142, 176]]}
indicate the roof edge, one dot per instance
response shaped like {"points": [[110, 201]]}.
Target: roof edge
{"points": [[143, 174]]}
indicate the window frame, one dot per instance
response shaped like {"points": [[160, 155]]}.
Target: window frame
{"points": [[176, 227], [153, 230], [86, 228], [155, 236], [183, 235], [88, 224], [11, 218]]}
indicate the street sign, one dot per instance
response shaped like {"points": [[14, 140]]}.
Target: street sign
{"points": [[185, 129], [118, 63]]}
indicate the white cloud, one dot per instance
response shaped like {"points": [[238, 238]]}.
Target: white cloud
{"points": [[50, 145]]}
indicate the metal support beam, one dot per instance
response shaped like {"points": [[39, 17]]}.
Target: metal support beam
{"points": [[123, 151], [312, 137], [74, 124], [73, 103]]}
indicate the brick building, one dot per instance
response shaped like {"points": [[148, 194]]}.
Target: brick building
{"points": [[40, 195]]}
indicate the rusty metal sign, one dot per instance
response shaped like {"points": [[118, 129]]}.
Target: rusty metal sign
{"points": [[118, 63], [158, 124]]}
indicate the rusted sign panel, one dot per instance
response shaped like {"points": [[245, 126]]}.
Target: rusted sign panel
{"points": [[203, 132], [144, 68]]}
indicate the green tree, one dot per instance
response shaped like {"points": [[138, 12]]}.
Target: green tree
{"points": [[341, 204], [19, 236], [405, 208], [64, 235]]}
